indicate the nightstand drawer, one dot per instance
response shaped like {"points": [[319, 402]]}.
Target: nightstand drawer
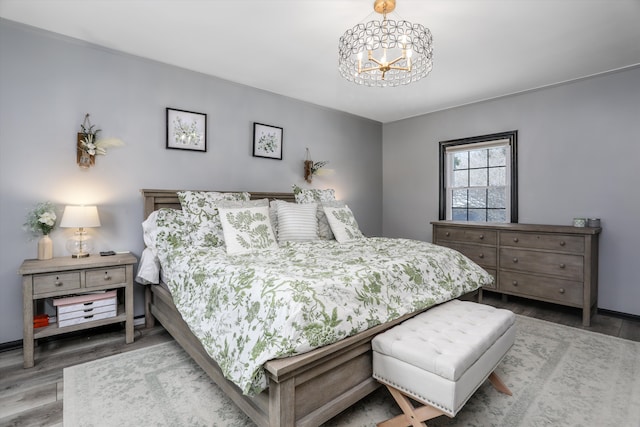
{"points": [[105, 276], [45, 283]]}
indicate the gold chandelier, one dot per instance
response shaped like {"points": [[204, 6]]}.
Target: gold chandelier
{"points": [[398, 52]]}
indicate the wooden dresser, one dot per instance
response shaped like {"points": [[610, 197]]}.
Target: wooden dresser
{"points": [[552, 263]]}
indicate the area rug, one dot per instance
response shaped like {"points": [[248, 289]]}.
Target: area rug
{"points": [[559, 376]]}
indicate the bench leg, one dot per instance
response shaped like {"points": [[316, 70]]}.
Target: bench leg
{"points": [[495, 380], [411, 416]]}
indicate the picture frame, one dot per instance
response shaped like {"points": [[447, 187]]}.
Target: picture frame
{"points": [[186, 130], [267, 141]]}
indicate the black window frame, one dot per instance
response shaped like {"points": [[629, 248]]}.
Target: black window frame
{"points": [[512, 137]]}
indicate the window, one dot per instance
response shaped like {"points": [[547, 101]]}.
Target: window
{"points": [[478, 178]]}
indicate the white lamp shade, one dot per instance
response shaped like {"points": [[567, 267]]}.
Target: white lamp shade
{"points": [[80, 217]]}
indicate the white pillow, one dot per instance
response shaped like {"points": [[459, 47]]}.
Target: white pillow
{"points": [[247, 229], [343, 223], [148, 268], [297, 223]]}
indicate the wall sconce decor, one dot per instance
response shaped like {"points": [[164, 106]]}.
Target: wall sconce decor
{"points": [[88, 145], [80, 217], [312, 168]]}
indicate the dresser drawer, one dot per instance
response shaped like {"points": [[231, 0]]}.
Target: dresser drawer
{"points": [[556, 290], [105, 276], [483, 255], [470, 235], [554, 242], [45, 283], [562, 265]]}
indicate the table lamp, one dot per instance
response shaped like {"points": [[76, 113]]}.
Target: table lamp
{"points": [[80, 217]]}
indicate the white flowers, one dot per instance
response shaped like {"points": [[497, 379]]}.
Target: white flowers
{"points": [[42, 219], [48, 218], [93, 147], [90, 143]]}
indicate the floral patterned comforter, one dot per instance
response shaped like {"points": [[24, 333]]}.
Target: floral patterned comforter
{"points": [[248, 309]]}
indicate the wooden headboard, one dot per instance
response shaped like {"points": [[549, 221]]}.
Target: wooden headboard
{"points": [[156, 199]]}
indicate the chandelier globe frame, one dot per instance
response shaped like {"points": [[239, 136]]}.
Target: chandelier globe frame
{"points": [[385, 53]]}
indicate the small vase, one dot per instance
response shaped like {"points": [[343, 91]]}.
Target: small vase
{"points": [[45, 247]]}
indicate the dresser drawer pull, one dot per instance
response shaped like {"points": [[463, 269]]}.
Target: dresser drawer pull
{"points": [[561, 290], [58, 283], [481, 256], [481, 236], [447, 234], [106, 276], [515, 283], [562, 243], [515, 260], [561, 266], [515, 239]]}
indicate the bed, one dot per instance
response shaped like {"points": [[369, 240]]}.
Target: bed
{"points": [[304, 389]]}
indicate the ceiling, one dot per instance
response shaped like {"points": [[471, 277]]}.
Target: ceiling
{"points": [[483, 49]]}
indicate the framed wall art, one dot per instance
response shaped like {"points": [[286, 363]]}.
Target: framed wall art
{"points": [[267, 141], [186, 130]]}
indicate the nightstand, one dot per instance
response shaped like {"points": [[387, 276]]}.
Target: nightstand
{"points": [[65, 276]]}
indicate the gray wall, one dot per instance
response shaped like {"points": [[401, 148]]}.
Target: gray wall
{"points": [[578, 156], [48, 83]]}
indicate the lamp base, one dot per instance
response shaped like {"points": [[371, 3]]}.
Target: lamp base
{"points": [[80, 244], [83, 255]]}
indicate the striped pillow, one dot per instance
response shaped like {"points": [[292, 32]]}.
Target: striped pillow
{"points": [[297, 222]]}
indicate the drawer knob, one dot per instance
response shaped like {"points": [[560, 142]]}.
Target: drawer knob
{"points": [[515, 239], [562, 243], [515, 283], [561, 290], [106, 276], [562, 265], [515, 260], [57, 283], [481, 236], [447, 234], [481, 256]]}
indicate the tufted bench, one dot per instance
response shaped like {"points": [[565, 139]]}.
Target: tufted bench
{"points": [[440, 358]]}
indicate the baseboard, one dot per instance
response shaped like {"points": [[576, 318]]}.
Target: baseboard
{"points": [[14, 345], [619, 314], [11, 345]]}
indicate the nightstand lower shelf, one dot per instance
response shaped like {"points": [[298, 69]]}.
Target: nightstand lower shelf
{"points": [[54, 329]]}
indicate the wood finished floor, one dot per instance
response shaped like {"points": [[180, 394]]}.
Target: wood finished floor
{"points": [[34, 397]]}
